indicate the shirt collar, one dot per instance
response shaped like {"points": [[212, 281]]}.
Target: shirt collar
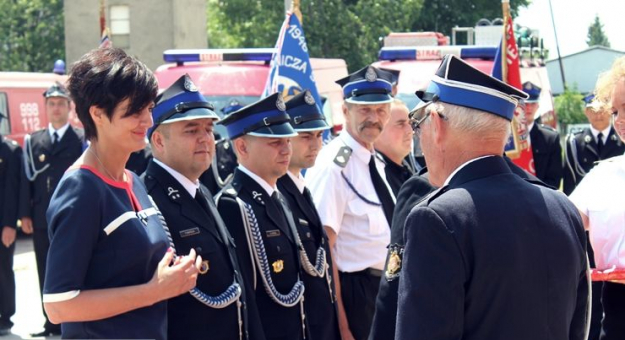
{"points": [[462, 166], [605, 132], [60, 132], [268, 188], [298, 180], [186, 183], [358, 150]]}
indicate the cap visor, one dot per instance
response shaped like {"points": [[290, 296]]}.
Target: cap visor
{"points": [[312, 125], [192, 114], [275, 131], [57, 94], [372, 98]]}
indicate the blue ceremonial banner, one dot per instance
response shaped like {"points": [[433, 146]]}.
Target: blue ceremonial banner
{"points": [[291, 72]]}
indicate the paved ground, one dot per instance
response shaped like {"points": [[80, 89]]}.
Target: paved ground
{"points": [[29, 317]]}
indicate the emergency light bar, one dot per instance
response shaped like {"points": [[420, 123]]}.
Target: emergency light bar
{"points": [[436, 52], [232, 54]]}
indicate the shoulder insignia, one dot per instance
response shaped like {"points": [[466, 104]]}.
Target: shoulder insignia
{"points": [[393, 262], [587, 139], [342, 157], [548, 127]]}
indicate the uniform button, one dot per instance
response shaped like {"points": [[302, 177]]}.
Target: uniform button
{"points": [[278, 248], [308, 234], [198, 250]]}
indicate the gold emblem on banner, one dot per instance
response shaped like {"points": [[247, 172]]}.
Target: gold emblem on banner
{"points": [[42, 158], [204, 267], [278, 266]]}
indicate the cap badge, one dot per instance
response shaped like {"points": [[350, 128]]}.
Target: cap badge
{"points": [[528, 86], [189, 86], [371, 76], [280, 104], [308, 98], [234, 102], [278, 266]]}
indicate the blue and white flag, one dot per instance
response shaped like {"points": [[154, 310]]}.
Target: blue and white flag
{"points": [[291, 72]]}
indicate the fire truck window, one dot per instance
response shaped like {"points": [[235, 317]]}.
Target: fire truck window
{"points": [[4, 115]]}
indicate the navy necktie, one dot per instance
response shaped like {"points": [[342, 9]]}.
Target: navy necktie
{"points": [[381, 189], [599, 143]]}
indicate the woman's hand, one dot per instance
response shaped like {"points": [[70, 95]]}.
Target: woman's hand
{"points": [[170, 281]]}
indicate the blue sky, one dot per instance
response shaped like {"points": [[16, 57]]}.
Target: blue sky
{"points": [[572, 18]]}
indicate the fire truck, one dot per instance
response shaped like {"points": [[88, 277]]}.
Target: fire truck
{"points": [[223, 75], [417, 56], [22, 106]]}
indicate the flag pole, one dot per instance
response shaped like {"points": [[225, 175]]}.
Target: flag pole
{"points": [[505, 6], [102, 16], [296, 10]]}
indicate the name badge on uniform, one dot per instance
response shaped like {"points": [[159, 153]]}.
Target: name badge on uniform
{"points": [[189, 232], [272, 233]]}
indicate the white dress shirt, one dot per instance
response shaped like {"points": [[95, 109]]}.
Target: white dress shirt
{"points": [[362, 230]]}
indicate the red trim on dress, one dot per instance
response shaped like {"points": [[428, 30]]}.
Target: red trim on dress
{"points": [[126, 185]]}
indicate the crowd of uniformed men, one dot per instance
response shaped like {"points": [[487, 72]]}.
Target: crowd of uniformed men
{"points": [[337, 253]]}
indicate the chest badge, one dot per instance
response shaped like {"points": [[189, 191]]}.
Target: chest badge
{"points": [[278, 266], [204, 267], [587, 139], [42, 158]]}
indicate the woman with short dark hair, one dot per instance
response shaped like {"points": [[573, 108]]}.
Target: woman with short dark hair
{"points": [[109, 262]]}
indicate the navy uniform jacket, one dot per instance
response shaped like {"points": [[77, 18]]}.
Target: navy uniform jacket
{"points": [[320, 301], [396, 174], [578, 163], [37, 194], [414, 190], [139, 160], [192, 227], [10, 173], [491, 256], [278, 322], [547, 153]]}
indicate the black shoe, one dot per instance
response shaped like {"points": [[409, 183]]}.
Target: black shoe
{"points": [[46, 333]]}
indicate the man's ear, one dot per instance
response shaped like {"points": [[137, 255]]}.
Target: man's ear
{"points": [[157, 141], [241, 147], [439, 127]]}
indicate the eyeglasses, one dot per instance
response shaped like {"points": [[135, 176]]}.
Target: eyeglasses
{"points": [[416, 122]]}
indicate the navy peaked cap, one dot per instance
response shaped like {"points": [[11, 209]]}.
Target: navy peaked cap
{"points": [[181, 101], [369, 85], [305, 114], [533, 92], [456, 82], [56, 90], [264, 118]]}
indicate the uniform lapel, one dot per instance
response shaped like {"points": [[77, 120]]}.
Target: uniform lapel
{"points": [[69, 137], [612, 145], [263, 202], [303, 205], [590, 143], [178, 195]]}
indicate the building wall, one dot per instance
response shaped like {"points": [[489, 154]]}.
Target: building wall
{"points": [[581, 68], [155, 26]]}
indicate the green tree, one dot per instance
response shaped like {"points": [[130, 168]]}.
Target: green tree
{"points": [[570, 107], [32, 35], [596, 36], [442, 15], [347, 29]]}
